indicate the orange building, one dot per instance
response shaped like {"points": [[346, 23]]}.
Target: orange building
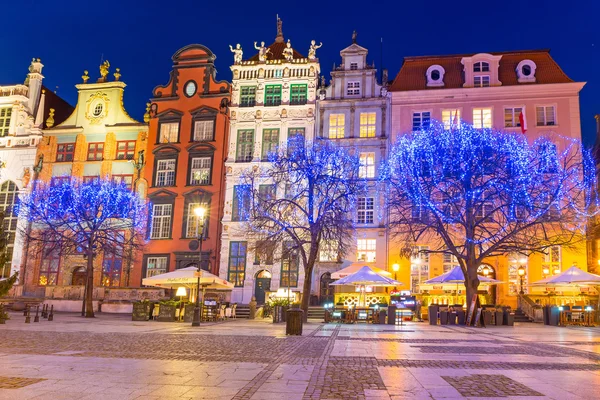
{"points": [[187, 145]]}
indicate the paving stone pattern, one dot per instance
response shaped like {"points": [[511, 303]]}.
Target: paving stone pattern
{"points": [[7, 382], [479, 385], [489, 350]]}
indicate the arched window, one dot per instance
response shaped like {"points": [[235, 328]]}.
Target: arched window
{"points": [[8, 199]]}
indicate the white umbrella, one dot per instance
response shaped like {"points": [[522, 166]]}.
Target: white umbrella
{"points": [[571, 277], [187, 277], [456, 276], [354, 268], [366, 276]]}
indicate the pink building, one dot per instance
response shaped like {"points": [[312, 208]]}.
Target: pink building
{"points": [[488, 90]]}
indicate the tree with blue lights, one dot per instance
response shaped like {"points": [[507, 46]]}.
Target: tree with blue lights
{"points": [[479, 193], [305, 197], [89, 219]]}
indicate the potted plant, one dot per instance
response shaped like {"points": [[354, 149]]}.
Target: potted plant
{"points": [[141, 310], [167, 310], [499, 315]]}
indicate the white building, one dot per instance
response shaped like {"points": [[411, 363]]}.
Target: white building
{"points": [[21, 122], [353, 112], [273, 97]]}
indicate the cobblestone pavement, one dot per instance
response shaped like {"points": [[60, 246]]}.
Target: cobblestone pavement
{"points": [[112, 357]]}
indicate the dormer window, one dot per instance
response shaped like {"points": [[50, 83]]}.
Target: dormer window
{"points": [[435, 76], [481, 81], [353, 66], [526, 71], [481, 67]]}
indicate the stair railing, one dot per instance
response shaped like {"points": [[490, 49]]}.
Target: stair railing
{"points": [[530, 308]]}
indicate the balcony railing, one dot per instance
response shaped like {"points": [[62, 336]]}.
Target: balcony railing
{"points": [[16, 90]]}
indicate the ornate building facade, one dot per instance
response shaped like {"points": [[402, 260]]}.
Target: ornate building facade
{"points": [[187, 143], [489, 91], [353, 111], [23, 109], [98, 140], [273, 98]]}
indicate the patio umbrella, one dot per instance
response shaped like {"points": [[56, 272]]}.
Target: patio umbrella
{"points": [[366, 276], [573, 277], [352, 269], [456, 276]]}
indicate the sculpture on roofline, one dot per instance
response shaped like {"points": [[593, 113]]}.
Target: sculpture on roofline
{"points": [[262, 51], [288, 52], [104, 69], [237, 53], [312, 50]]}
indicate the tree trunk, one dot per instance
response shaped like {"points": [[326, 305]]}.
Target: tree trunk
{"points": [[306, 290], [89, 293], [471, 285]]}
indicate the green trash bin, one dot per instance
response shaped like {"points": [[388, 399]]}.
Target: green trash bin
{"points": [[293, 322]]}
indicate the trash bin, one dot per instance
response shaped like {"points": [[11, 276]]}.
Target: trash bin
{"points": [[444, 317], [461, 317], [391, 314], [293, 321], [433, 314], [277, 310], [382, 315], [546, 315], [452, 318], [554, 317]]}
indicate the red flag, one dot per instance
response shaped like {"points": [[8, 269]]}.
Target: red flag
{"points": [[523, 121]]}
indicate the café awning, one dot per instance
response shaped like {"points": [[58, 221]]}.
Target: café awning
{"points": [[187, 277]]}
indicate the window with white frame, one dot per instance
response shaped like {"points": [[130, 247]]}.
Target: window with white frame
{"points": [[515, 261], [192, 226], [421, 120], [481, 81], [353, 66], [450, 262], [481, 66], [204, 130], [512, 117], [367, 250], [368, 124], [169, 132], [328, 251], [482, 117], [337, 126], [367, 165], [353, 88], [552, 260], [545, 115], [450, 118], [156, 266], [161, 221], [200, 171], [419, 267], [165, 172], [5, 113], [366, 210]]}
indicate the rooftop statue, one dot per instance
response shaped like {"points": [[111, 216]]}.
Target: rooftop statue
{"points": [[312, 50], [237, 53]]}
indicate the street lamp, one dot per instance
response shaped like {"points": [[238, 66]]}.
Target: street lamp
{"points": [[395, 268], [521, 272], [200, 212], [485, 270], [545, 271]]}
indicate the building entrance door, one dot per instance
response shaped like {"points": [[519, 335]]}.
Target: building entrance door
{"points": [[326, 293], [262, 285], [78, 278]]}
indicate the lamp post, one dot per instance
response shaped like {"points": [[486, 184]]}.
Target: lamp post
{"points": [[180, 292], [395, 268], [485, 271], [521, 272], [199, 211]]}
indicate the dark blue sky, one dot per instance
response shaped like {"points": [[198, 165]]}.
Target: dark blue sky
{"points": [[141, 36]]}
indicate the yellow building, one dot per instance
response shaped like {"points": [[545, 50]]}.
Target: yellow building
{"points": [[98, 140]]}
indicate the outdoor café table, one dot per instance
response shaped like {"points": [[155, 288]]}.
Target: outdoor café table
{"points": [[363, 311]]}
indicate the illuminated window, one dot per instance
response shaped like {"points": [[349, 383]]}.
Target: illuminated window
{"points": [[247, 96], [482, 118], [450, 118], [161, 221], [552, 260], [336, 126], [419, 267], [270, 142], [366, 250], [241, 203], [297, 95], [328, 251], [295, 139], [125, 149], [204, 130], [5, 114], [481, 67], [481, 81], [511, 117], [192, 221], [421, 120], [515, 261], [367, 165], [95, 151], [264, 252], [545, 115], [91, 179], [366, 207], [49, 268], [9, 193], [200, 171], [367, 125], [156, 266], [245, 145], [65, 151], [123, 179], [112, 266], [290, 265], [237, 263], [169, 132], [272, 95], [353, 88], [165, 172]]}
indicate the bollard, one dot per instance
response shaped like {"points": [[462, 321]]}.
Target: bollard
{"points": [[26, 310], [51, 316], [46, 311], [28, 317], [43, 313], [37, 317], [2, 319]]}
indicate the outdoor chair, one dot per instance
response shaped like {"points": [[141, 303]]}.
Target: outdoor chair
{"points": [[233, 310], [222, 312]]}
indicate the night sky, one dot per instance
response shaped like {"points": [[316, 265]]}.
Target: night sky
{"points": [[140, 37]]}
